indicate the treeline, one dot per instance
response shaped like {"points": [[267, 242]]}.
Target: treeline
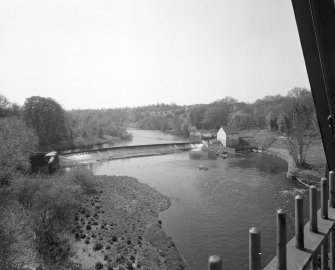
{"points": [[160, 117], [56, 128], [273, 112], [97, 125]]}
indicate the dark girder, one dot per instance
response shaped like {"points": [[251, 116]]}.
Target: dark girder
{"points": [[316, 25]]}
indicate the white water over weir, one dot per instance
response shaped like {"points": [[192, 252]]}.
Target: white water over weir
{"points": [[120, 152]]}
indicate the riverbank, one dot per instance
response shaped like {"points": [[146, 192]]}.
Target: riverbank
{"points": [[118, 228], [310, 176], [275, 145]]}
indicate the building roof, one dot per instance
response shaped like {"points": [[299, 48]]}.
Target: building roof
{"points": [[229, 130]]}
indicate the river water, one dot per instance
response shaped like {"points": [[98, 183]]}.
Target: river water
{"points": [[212, 210], [143, 137]]}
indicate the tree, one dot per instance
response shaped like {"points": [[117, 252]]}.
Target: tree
{"points": [[4, 106], [7, 108], [299, 141], [271, 120], [47, 117], [17, 143], [300, 133], [241, 120], [298, 92], [197, 115]]}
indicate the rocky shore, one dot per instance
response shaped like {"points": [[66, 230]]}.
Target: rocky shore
{"points": [[118, 228]]}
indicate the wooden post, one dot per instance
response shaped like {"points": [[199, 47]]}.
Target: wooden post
{"points": [[281, 239], [332, 189], [324, 198], [299, 222], [254, 249], [313, 209], [214, 263]]}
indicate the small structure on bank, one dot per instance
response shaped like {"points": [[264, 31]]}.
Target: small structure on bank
{"points": [[208, 139], [44, 162], [228, 136]]}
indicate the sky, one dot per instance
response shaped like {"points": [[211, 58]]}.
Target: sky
{"points": [[108, 53]]}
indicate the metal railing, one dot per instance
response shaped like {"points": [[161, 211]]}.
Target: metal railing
{"points": [[313, 244]]}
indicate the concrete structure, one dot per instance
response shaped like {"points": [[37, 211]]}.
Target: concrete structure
{"points": [[228, 136]]}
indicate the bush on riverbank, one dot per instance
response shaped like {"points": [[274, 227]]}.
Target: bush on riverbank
{"points": [[50, 203], [17, 141], [84, 179]]}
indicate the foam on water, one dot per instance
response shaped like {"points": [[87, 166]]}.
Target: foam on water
{"points": [[292, 192]]}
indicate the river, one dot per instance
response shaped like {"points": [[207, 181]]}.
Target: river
{"points": [[212, 210], [143, 137]]}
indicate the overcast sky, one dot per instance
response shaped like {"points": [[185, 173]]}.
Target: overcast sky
{"points": [[106, 53]]}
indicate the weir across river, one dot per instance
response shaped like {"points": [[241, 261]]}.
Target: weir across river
{"points": [[179, 145], [120, 152]]}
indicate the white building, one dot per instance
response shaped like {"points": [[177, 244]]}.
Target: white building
{"points": [[228, 136]]}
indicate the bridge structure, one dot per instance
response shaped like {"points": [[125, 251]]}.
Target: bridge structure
{"points": [[313, 246]]}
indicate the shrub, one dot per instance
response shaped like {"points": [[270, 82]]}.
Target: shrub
{"points": [[50, 203], [17, 142], [11, 227], [83, 178]]}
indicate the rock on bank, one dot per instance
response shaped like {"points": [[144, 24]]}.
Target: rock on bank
{"points": [[118, 228]]}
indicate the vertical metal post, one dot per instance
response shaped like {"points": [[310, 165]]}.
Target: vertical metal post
{"points": [[313, 209], [315, 261], [324, 215], [214, 263], [254, 249], [299, 222], [324, 198], [332, 248], [324, 254], [332, 205], [281, 239], [332, 189]]}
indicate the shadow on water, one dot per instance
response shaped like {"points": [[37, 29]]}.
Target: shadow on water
{"points": [[260, 162]]}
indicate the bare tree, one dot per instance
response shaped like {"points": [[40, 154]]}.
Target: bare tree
{"points": [[300, 135]]}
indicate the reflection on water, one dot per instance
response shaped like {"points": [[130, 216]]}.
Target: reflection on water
{"points": [[213, 210], [140, 137]]}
